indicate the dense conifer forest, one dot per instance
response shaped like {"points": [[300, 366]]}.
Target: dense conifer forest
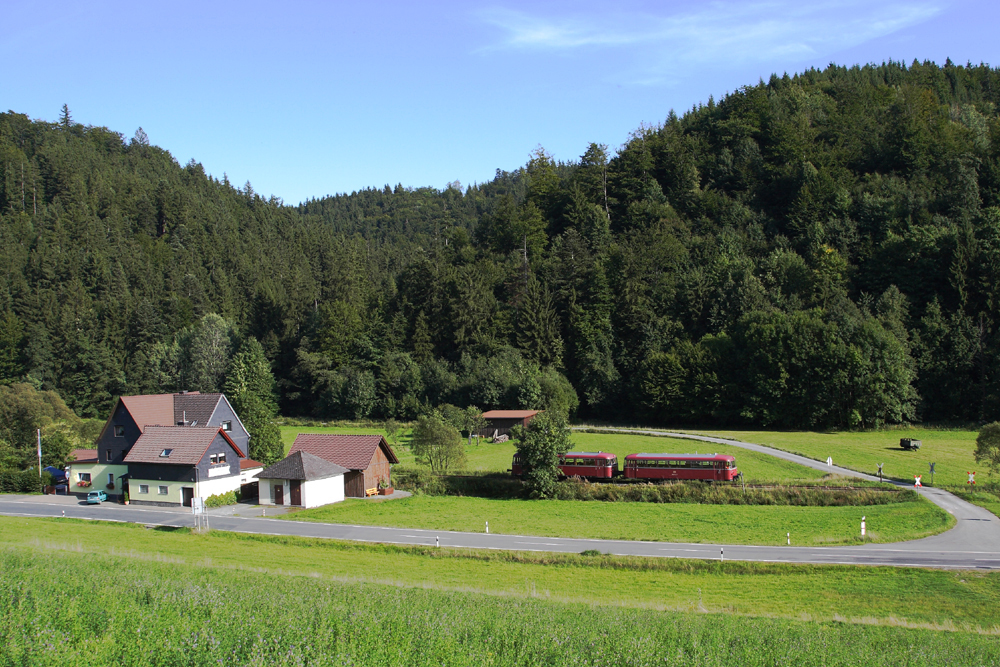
{"points": [[819, 250]]}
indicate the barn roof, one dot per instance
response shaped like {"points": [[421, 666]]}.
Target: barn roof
{"points": [[303, 466], [354, 452], [509, 414], [187, 444]]}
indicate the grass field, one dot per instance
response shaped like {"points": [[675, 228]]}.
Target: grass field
{"points": [[950, 450], [62, 608], [714, 524], [963, 601]]}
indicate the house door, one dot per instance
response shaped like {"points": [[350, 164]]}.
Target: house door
{"points": [[279, 494], [187, 493], [296, 491]]}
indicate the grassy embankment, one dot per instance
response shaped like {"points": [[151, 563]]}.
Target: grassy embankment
{"points": [[62, 608], [963, 601]]}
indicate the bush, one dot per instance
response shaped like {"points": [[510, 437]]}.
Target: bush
{"points": [[222, 499], [19, 481], [500, 486]]}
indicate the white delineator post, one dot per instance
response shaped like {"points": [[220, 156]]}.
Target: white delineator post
{"points": [[789, 536], [829, 461], [437, 541], [722, 554], [862, 526], [487, 527]]}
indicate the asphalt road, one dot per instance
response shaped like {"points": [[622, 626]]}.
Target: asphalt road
{"points": [[973, 544]]}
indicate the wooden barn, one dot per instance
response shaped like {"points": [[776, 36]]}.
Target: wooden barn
{"points": [[500, 422], [368, 458]]}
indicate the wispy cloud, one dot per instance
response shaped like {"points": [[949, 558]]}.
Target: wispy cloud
{"points": [[717, 31]]}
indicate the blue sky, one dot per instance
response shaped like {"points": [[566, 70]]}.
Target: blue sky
{"points": [[307, 98]]}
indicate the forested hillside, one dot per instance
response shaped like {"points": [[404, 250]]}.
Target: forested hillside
{"points": [[812, 251]]}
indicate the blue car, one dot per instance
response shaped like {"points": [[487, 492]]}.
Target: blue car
{"points": [[96, 497]]}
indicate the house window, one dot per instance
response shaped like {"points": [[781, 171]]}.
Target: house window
{"points": [[213, 459], [84, 476], [108, 455], [111, 478], [165, 453], [162, 490], [227, 426], [119, 431], [144, 488], [222, 457]]}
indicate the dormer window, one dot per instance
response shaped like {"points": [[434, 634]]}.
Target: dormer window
{"points": [[165, 453], [227, 426], [119, 431]]}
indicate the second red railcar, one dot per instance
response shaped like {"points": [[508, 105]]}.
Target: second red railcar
{"points": [[718, 467]]}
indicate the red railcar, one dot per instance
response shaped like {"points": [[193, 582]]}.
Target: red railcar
{"points": [[719, 467], [592, 465]]}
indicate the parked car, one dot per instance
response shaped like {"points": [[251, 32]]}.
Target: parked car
{"points": [[96, 497]]}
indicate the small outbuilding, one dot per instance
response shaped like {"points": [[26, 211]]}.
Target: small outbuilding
{"points": [[303, 480], [500, 422], [368, 459]]}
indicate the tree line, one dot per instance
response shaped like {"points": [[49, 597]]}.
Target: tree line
{"points": [[813, 251]]}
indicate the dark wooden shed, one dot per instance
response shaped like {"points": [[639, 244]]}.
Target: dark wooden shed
{"points": [[500, 422]]}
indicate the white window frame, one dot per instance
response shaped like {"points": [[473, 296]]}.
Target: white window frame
{"points": [[227, 426], [111, 478], [144, 488], [162, 490], [83, 476]]}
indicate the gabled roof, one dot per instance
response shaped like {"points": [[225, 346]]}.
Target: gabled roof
{"points": [[194, 407], [153, 410], [250, 464], [354, 452], [303, 466], [83, 456], [188, 444], [510, 414]]}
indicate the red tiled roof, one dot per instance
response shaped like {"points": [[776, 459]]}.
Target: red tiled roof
{"points": [[509, 414], [83, 456], [189, 444], [153, 410], [247, 464], [353, 452]]}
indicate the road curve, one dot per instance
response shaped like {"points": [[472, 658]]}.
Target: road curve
{"points": [[937, 552], [976, 529]]}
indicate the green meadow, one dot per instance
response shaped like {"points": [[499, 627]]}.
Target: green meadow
{"points": [[950, 451], [913, 597], [673, 522]]}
